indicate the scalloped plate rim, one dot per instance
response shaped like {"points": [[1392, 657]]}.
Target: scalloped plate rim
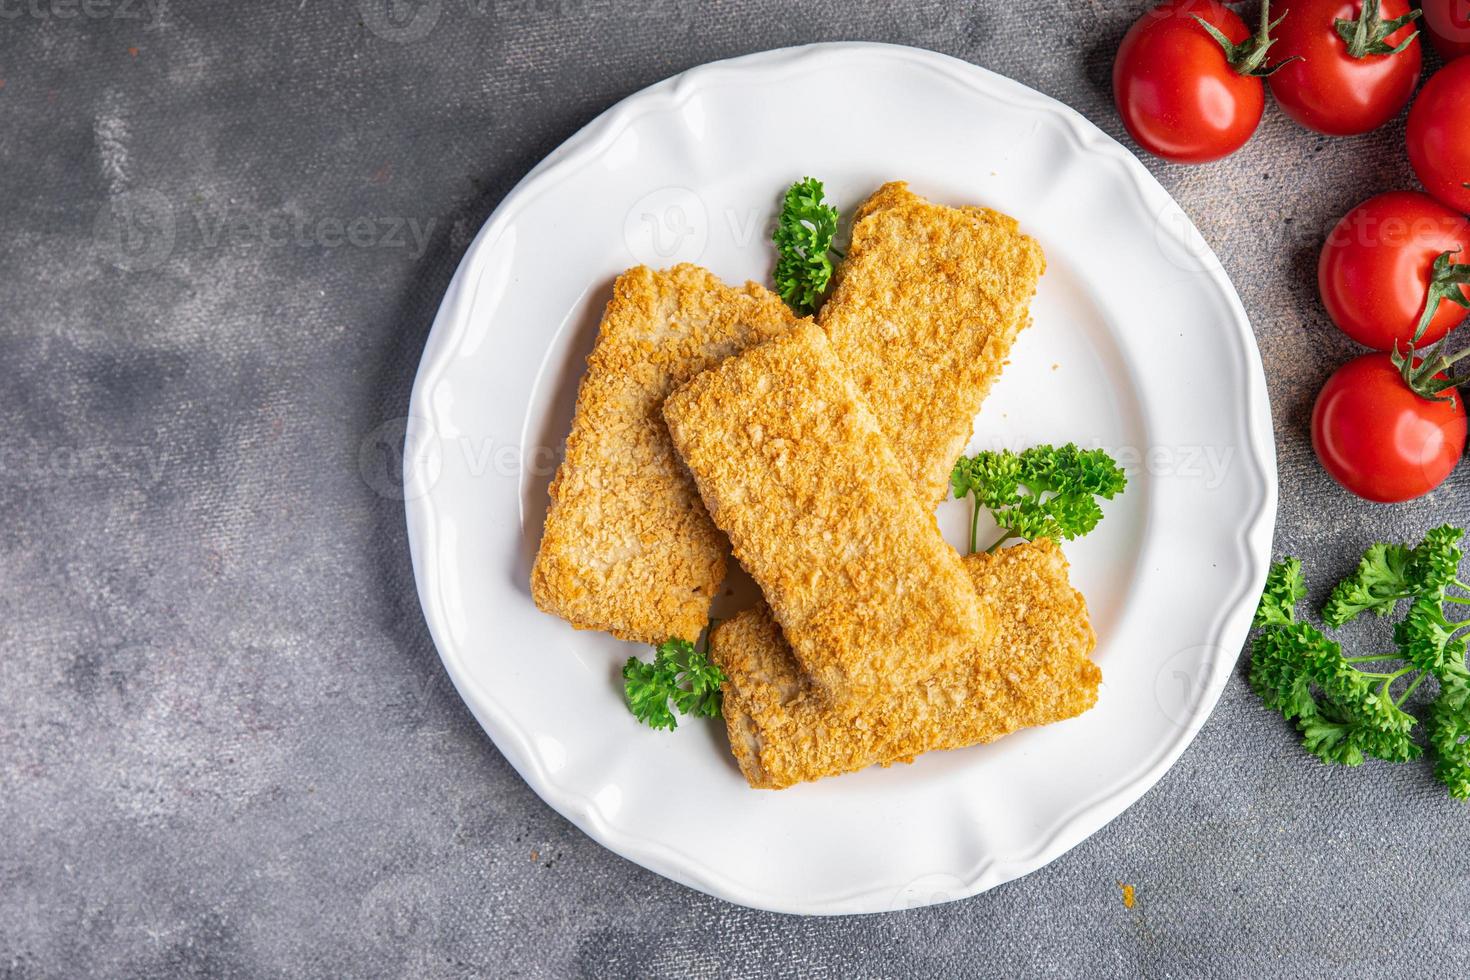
{"points": [[1067, 831]]}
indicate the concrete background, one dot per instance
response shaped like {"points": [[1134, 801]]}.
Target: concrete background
{"points": [[227, 747]]}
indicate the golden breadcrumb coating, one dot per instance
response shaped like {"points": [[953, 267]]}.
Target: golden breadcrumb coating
{"points": [[792, 466], [1035, 671], [927, 304], [627, 545]]}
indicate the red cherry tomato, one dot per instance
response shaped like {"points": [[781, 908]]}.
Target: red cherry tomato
{"points": [[1439, 135], [1377, 264], [1447, 22], [1176, 90], [1333, 88], [1378, 438]]}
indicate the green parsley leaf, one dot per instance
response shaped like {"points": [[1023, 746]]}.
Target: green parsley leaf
{"points": [[1347, 711], [1045, 491], [803, 237], [1448, 729], [1343, 713], [1427, 639], [1277, 674], [679, 673], [647, 688], [1284, 589], [1380, 581], [1390, 573], [1435, 564]]}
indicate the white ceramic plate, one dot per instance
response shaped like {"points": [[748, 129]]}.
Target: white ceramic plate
{"points": [[1140, 345]]}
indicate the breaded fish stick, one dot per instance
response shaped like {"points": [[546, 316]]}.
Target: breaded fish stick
{"points": [[1036, 671], [627, 545], [926, 307], [792, 466]]}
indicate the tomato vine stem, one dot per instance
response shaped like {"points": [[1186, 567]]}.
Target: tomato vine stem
{"points": [[1369, 34], [1249, 56]]}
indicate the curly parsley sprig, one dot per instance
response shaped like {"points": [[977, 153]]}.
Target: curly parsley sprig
{"points": [[803, 237], [1044, 492], [1379, 584], [679, 674], [1346, 711]]}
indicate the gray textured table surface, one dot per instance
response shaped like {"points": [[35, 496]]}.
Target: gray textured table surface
{"points": [[227, 747]]}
